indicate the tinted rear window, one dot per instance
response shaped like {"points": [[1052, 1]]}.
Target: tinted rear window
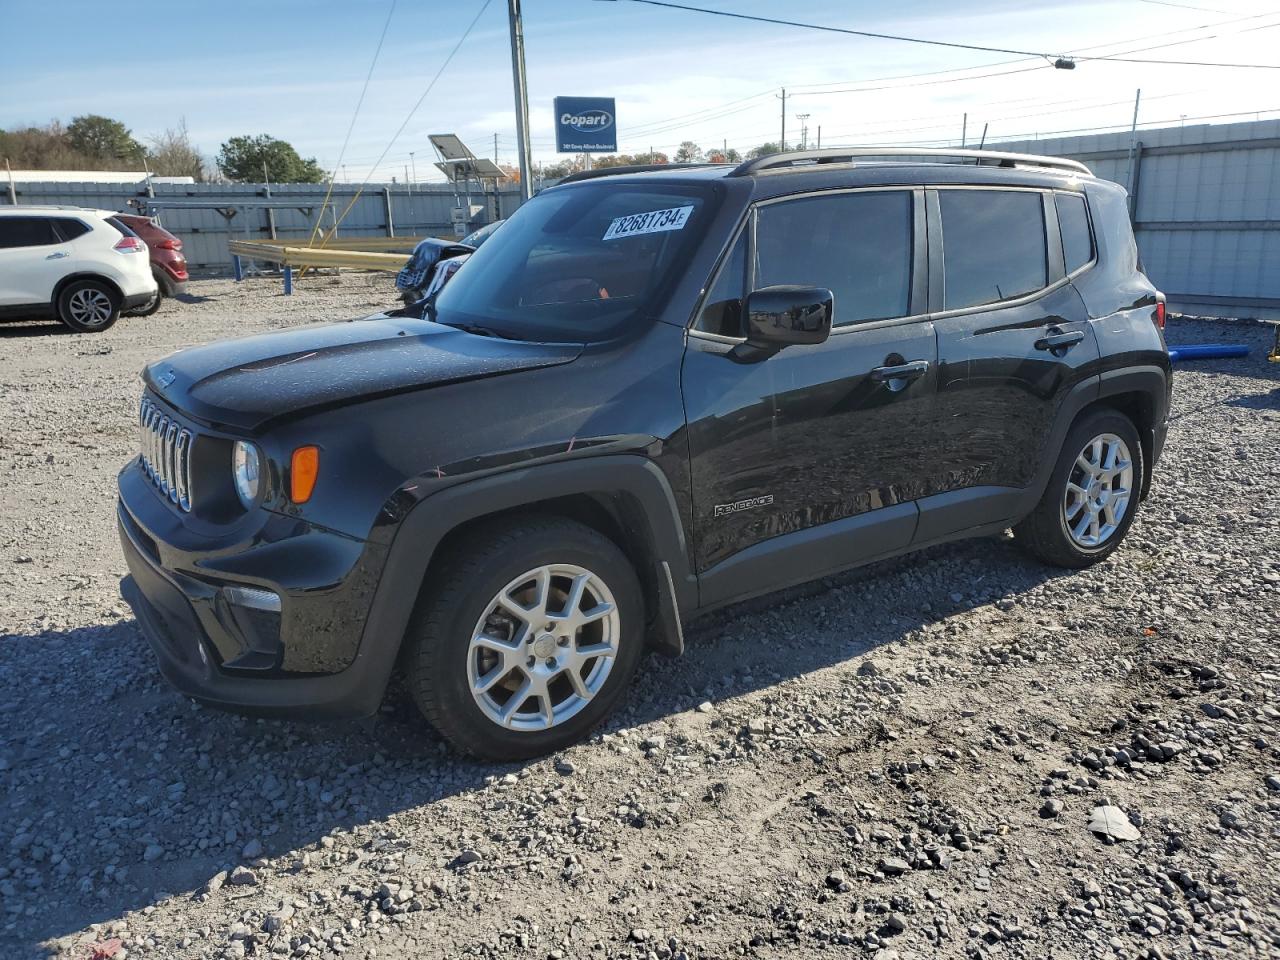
{"points": [[68, 229], [993, 245], [123, 227], [858, 245], [26, 232], [1073, 221]]}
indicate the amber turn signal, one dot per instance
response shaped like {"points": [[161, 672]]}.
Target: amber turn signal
{"points": [[303, 469]]}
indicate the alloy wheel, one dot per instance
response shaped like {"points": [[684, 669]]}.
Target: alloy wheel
{"points": [[544, 647], [1098, 491], [90, 307]]}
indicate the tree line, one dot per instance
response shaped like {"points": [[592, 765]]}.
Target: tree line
{"points": [[94, 142]]}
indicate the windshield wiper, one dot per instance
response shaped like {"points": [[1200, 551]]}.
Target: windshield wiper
{"points": [[475, 328]]}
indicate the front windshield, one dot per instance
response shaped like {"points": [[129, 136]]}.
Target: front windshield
{"points": [[580, 263]]}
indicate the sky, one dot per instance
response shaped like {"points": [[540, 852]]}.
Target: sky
{"points": [[295, 68]]}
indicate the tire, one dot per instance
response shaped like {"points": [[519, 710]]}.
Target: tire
{"points": [[1061, 530], [150, 308], [445, 657], [88, 306]]}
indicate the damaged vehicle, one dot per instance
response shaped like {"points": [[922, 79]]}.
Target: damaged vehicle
{"points": [[649, 394]]}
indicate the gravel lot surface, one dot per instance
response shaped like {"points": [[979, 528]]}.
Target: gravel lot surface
{"points": [[961, 754]]}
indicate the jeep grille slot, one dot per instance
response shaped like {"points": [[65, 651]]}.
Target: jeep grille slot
{"points": [[166, 453]]}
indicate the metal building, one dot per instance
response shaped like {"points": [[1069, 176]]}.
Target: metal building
{"points": [[1206, 208]]}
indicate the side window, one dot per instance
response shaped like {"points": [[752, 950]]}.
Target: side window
{"points": [[722, 312], [68, 229], [859, 245], [26, 232], [1073, 222], [993, 245]]}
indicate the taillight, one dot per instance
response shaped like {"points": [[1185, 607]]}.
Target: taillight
{"points": [[1160, 314], [170, 244], [130, 245]]}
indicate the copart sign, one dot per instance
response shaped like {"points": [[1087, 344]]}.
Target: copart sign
{"points": [[586, 125]]}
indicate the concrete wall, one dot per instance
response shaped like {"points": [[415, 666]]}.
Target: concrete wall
{"points": [[204, 232], [1207, 211]]}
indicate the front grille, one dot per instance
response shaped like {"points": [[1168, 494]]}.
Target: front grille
{"points": [[166, 453]]}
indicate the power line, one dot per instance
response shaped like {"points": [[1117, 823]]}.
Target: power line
{"points": [[354, 114], [414, 109], [718, 112], [936, 43]]}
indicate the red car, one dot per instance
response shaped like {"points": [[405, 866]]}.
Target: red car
{"points": [[167, 262]]}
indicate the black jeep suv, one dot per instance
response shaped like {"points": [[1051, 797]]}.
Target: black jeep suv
{"points": [[651, 393]]}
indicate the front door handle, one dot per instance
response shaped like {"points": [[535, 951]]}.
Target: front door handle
{"points": [[1060, 341], [902, 371]]}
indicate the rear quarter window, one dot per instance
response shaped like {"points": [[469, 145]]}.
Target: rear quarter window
{"points": [[993, 246], [68, 229], [1073, 222]]}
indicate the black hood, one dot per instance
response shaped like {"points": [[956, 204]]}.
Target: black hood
{"points": [[245, 383]]}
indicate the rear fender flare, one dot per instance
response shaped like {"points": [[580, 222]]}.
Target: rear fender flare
{"points": [[1150, 381]]}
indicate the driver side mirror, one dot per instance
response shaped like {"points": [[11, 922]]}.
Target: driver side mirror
{"points": [[782, 316]]}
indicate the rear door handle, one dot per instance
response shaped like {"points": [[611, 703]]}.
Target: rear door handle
{"points": [[58, 256], [902, 371], [1060, 341]]}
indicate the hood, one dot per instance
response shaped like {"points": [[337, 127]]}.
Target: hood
{"points": [[243, 384]]}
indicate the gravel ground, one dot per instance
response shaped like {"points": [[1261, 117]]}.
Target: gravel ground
{"points": [[961, 754]]}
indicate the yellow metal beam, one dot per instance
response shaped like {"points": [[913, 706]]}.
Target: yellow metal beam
{"points": [[318, 257]]}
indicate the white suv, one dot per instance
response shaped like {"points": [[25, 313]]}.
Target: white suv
{"points": [[83, 266]]}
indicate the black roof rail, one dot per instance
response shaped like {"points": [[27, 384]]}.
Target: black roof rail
{"points": [[807, 158], [634, 168]]}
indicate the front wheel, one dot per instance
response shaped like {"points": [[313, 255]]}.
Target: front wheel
{"points": [[528, 639], [88, 306], [1092, 495]]}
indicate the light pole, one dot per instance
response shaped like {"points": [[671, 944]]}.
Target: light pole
{"points": [[413, 175], [522, 96], [804, 130]]}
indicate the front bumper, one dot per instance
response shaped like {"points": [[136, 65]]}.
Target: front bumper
{"points": [[310, 659]]}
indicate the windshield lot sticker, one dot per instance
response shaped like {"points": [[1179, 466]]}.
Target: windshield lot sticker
{"points": [[655, 221]]}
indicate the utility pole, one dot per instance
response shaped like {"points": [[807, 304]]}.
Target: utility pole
{"points": [[1133, 136], [522, 96], [495, 147], [783, 144], [804, 130], [819, 136], [984, 137], [13, 192], [964, 131]]}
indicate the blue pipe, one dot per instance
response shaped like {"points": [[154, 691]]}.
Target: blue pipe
{"points": [[1207, 351]]}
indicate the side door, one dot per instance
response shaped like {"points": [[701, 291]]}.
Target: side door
{"points": [[30, 251], [806, 461], [1013, 338]]}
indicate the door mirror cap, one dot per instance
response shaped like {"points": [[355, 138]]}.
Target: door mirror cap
{"points": [[783, 316]]}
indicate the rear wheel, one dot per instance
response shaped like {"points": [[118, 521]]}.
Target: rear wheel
{"points": [[528, 640], [88, 306], [1092, 495]]}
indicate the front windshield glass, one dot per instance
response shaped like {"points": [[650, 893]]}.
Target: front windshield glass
{"points": [[579, 264]]}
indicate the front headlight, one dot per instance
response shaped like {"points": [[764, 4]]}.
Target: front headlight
{"points": [[246, 467]]}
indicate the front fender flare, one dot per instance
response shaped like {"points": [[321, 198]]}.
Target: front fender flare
{"points": [[427, 524]]}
